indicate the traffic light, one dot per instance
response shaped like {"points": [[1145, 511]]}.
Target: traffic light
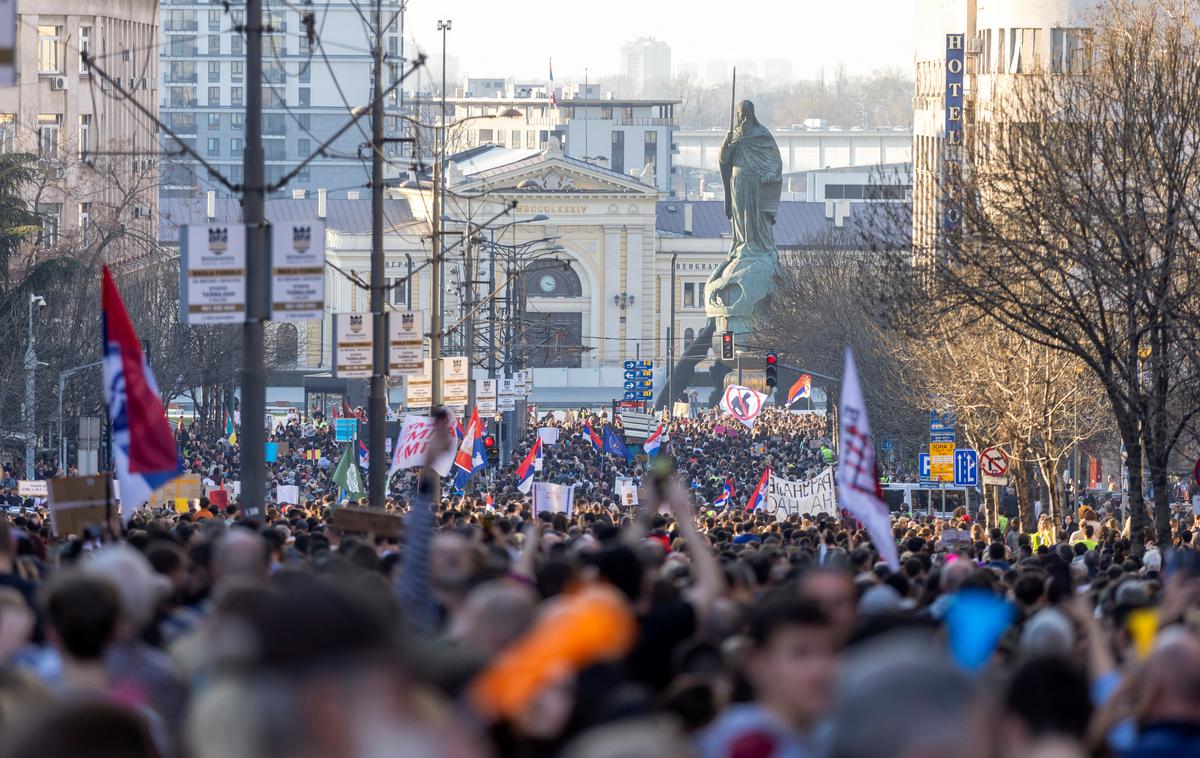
{"points": [[492, 449], [772, 369], [727, 346]]}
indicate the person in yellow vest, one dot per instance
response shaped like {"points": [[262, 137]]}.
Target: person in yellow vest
{"points": [[1044, 534]]}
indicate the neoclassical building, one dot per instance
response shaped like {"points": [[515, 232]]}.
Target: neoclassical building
{"points": [[572, 281]]}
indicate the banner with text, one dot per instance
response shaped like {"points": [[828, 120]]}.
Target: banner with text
{"points": [[786, 497]]}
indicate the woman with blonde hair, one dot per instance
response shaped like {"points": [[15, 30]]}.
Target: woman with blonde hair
{"points": [[1045, 532]]}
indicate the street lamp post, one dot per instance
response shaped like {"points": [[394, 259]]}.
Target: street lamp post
{"points": [[62, 386], [30, 388]]}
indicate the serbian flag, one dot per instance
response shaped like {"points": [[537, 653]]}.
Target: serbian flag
{"points": [[801, 389], [553, 96], [471, 455], [759, 498], [143, 448], [364, 457], [726, 495], [596, 439], [654, 441], [529, 466]]}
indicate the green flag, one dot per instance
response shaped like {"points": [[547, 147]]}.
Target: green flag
{"points": [[347, 476]]}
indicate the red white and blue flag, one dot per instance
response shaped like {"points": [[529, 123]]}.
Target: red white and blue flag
{"points": [[364, 456], [143, 449], [801, 389], [654, 441], [472, 455], [596, 439], [528, 466], [553, 96], [759, 498], [726, 495]]}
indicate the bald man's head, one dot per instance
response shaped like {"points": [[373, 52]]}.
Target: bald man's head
{"points": [[1171, 685]]}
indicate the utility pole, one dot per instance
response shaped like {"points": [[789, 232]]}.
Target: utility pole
{"points": [[435, 276], [254, 369], [435, 319], [377, 402]]}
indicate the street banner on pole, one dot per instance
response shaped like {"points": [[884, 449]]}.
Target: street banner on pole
{"points": [[456, 375], [352, 339], [418, 388], [508, 395], [212, 274], [298, 271], [485, 396], [406, 342]]}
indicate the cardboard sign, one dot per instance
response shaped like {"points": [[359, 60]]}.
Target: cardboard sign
{"points": [[288, 493], [77, 502], [553, 498], [412, 446], [368, 521], [32, 488], [188, 487], [181, 505], [628, 493], [219, 497], [548, 435]]}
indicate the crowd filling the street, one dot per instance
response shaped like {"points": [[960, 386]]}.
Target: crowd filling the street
{"points": [[482, 622]]}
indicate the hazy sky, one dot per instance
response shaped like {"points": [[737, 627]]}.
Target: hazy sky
{"points": [[517, 37]]}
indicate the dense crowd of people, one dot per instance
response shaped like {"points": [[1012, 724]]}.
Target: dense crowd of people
{"points": [[479, 627]]}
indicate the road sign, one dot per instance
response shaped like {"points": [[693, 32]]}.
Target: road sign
{"points": [[941, 427], [888, 445], [993, 465], [966, 468], [345, 429], [941, 461], [993, 462], [923, 466]]}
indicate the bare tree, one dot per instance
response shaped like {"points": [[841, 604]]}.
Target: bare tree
{"points": [[1080, 228]]}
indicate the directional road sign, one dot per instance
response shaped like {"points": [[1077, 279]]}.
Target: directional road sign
{"points": [[966, 468]]}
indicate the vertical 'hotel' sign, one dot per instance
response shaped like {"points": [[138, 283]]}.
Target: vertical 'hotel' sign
{"points": [[952, 168]]}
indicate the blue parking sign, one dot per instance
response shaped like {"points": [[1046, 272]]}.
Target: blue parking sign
{"points": [[966, 468], [923, 465]]}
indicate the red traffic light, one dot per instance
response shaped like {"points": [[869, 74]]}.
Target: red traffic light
{"points": [[489, 442], [772, 359]]}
